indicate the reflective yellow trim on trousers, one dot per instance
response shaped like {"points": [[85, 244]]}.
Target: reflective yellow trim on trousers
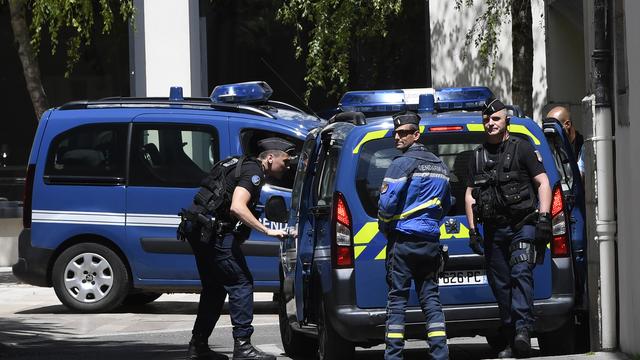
{"points": [[515, 128], [394, 335], [437, 333], [364, 237], [434, 201], [378, 134]]}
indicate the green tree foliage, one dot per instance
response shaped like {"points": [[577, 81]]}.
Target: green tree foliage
{"points": [[73, 20], [76, 19], [484, 33], [325, 31]]}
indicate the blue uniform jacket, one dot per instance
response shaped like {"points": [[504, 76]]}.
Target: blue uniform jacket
{"points": [[415, 195]]}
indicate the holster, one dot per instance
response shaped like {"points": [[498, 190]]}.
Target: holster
{"points": [[442, 261]]}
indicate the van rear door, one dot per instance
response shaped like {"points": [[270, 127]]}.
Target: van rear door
{"points": [[464, 281]]}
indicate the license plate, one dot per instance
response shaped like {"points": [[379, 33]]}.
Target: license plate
{"points": [[464, 277]]}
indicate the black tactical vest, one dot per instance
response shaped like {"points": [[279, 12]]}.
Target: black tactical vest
{"points": [[503, 196]]}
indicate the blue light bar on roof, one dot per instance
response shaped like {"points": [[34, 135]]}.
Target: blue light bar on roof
{"points": [[373, 101], [244, 93], [466, 98]]}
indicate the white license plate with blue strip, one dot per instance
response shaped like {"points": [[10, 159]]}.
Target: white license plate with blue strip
{"points": [[463, 277]]}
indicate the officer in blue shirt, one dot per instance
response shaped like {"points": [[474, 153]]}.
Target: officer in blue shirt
{"points": [[509, 193], [414, 198], [215, 225]]}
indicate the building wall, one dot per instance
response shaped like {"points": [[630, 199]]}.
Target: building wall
{"points": [[627, 179], [448, 32]]}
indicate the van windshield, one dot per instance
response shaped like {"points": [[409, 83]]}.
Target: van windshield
{"points": [[455, 149]]}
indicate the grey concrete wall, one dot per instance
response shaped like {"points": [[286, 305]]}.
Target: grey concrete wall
{"points": [[448, 31], [9, 230], [628, 178]]}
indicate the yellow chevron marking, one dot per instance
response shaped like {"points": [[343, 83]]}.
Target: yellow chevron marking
{"points": [[514, 128], [382, 254], [463, 233], [378, 134], [363, 237]]}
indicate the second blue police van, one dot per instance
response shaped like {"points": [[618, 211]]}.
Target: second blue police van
{"points": [[107, 178], [333, 289]]}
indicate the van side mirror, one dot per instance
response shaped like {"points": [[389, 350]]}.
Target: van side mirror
{"points": [[276, 209]]}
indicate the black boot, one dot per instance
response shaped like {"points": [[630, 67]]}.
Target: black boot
{"points": [[199, 350], [522, 342], [506, 353], [243, 350]]}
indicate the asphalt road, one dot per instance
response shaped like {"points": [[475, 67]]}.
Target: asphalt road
{"points": [[34, 325]]}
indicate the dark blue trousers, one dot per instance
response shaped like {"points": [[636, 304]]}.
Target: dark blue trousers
{"points": [[512, 285], [223, 270], [415, 260]]}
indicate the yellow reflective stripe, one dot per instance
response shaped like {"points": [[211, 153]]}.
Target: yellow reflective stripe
{"points": [[382, 254], [463, 232], [434, 201], [436, 333], [395, 335], [366, 233], [358, 249], [514, 128], [378, 134], [421, 129]]}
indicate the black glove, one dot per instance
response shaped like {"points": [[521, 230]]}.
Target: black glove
{"points": [[544, 233], [476, 242]]}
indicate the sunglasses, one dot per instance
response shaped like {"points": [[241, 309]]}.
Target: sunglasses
{"points": [[403, 133]]}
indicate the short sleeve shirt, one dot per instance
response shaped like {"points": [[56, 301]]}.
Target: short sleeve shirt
{"points": [[251, 178]]}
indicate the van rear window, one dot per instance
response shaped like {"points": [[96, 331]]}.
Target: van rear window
{"points": [[455, 150]]}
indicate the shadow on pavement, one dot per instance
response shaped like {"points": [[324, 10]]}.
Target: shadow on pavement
{"points": [[158, 307]]}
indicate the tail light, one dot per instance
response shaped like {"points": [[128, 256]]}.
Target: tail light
{"points": [[28, 195], [560, 241], [343, 244]]}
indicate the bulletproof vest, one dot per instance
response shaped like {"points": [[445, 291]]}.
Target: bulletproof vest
{"points": [[502, 194], [214, 196]]}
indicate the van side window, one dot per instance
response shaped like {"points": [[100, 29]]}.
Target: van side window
{"points": [[249, 142], [92, 154], [326, 183], [172, 155]]}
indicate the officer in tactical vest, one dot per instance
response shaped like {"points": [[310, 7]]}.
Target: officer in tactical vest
{"points": [[215, 225], [505, 175], [414, 198]]}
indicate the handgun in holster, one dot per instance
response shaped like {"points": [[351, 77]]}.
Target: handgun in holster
{"points": [[442, 261]]}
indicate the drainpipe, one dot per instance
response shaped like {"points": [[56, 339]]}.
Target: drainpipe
{"points": [[603, 142]]}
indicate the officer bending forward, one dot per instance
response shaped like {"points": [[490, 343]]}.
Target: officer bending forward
{"points": [[501, 194], [210, 225], [414, 198]]}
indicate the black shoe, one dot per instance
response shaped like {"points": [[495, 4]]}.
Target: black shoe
{"points": [[243, 350], [522, 343], [199, 350], [506, 353]]}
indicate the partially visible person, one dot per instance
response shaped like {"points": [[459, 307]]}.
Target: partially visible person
{"points": [[414, 197], [576, 139], [215, 225]]}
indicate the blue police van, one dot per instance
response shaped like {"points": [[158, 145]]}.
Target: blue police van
{"points": [[107, 178], [333, 288]]}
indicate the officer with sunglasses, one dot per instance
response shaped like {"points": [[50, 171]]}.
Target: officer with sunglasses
{"points": [[414, 198], [509, 193]]}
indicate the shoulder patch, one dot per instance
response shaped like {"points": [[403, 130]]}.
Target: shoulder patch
{"points": [[255, 179], [383, 188], [539, 156]]}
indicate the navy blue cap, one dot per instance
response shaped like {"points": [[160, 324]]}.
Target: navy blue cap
{"points": [[491, 106], [275, 143], [404, 118]]}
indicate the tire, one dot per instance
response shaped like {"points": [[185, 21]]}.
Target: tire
{"points": [[559, 342], [331, 346], [295, 344], [139, 299], [90, 277]]}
